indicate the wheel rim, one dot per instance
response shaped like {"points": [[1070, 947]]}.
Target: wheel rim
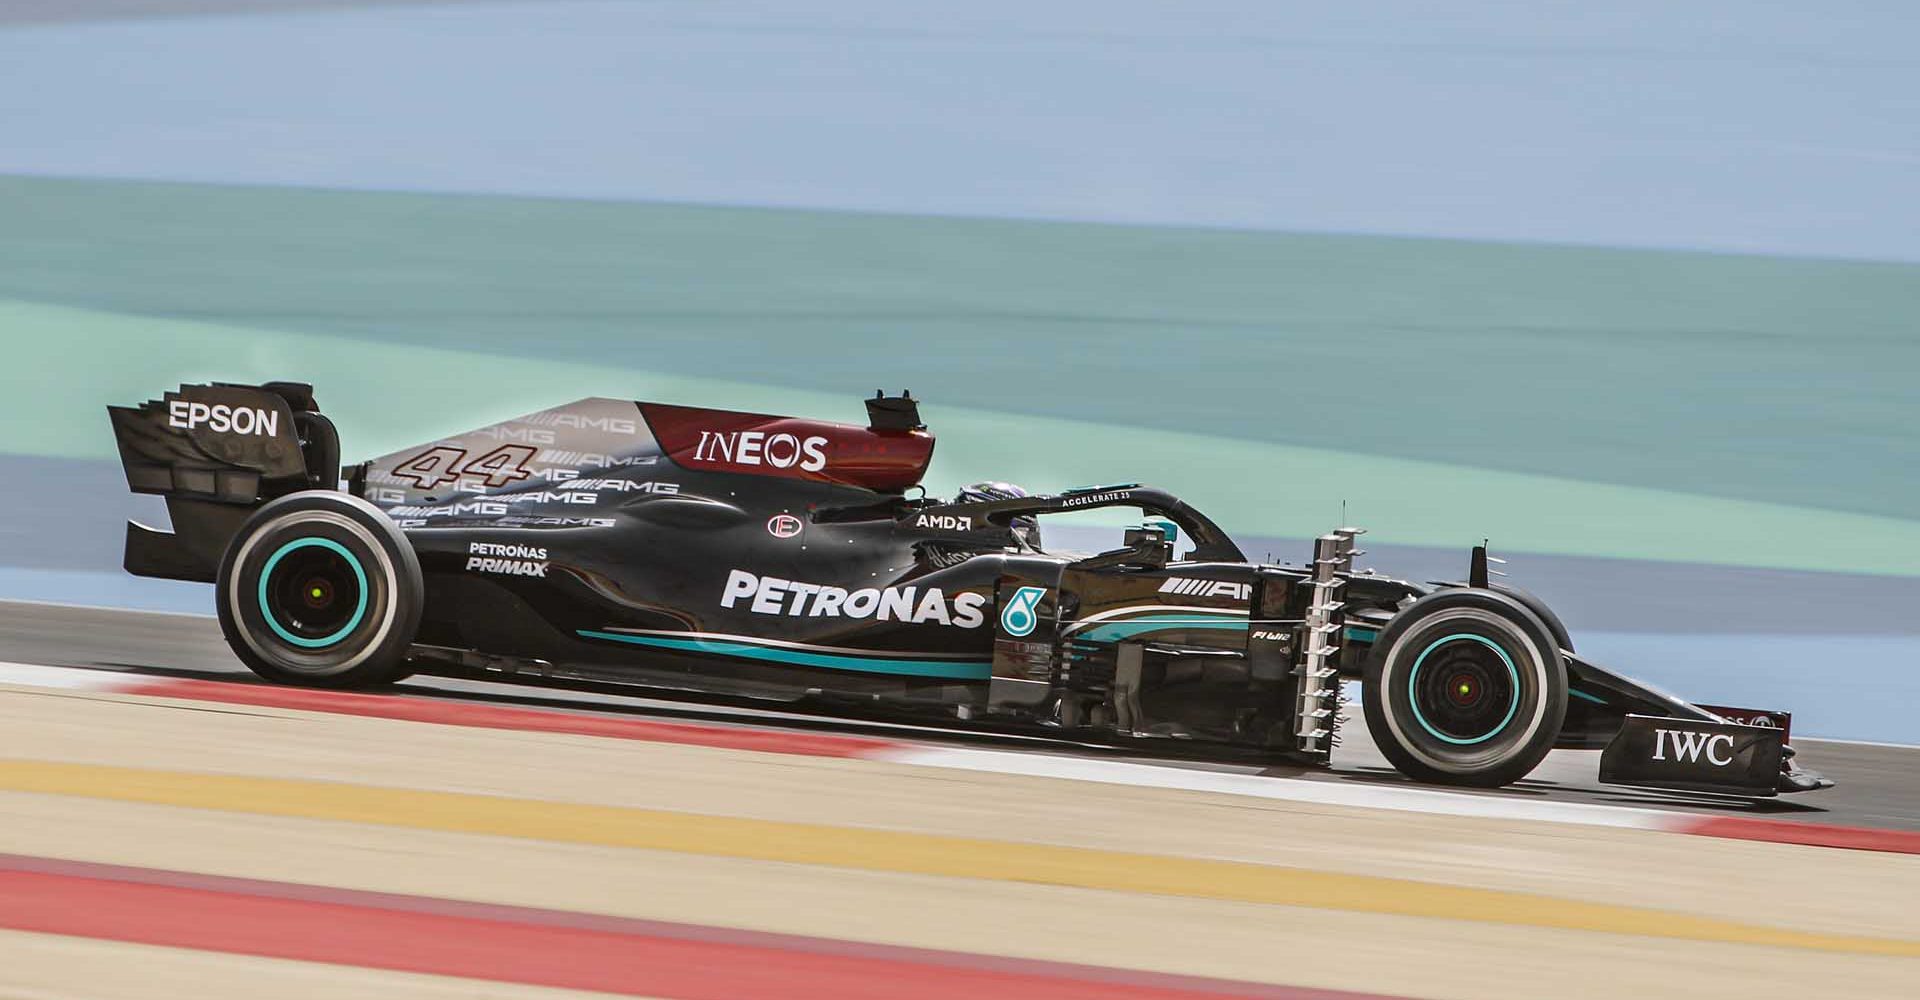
{"points": [[1456, 689], [306, 588]]}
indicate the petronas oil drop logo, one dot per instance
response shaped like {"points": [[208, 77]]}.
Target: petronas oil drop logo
{"points": [[1019, 616]]}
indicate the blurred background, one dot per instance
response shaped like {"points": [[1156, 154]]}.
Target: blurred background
{"points": [[1629, 290]]}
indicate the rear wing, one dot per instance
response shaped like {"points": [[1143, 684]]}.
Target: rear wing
{"points": [[216, 452]]}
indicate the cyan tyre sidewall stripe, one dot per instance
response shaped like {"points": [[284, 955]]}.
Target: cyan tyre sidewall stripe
{"points": [[359, 575], [1465, 760], [1413, 679], [242, 604]]}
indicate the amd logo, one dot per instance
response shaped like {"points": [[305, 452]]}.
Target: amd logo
{"points": [[782, 451], [1189, 587], [1690, 746], [223, 419], [945, 522]]}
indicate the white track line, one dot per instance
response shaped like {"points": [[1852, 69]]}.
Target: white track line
{"points": [[1313, 791], [1318, 792], [1047, 765], [64, 678], [108, 608]]}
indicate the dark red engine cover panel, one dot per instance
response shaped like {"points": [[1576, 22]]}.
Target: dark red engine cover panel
{"points": [[763, 445]]}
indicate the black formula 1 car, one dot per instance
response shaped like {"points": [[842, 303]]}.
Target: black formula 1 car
{"points": [[721, 554]]}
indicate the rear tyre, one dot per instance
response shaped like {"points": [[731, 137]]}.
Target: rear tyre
{"points": [[1465, 687], [320, 589]]}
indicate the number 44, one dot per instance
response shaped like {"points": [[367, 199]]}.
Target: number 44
{"points": [[445, 464]]}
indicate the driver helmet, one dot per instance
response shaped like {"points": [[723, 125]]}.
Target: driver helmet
{"points": [[1026, 527]]}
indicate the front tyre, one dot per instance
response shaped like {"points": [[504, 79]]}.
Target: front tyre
{"points": [[1465, 687], [320, 589]]}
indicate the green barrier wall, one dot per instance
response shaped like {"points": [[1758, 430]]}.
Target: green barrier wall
{"points": [[1654, 405]]}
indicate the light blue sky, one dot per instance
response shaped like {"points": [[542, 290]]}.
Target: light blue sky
{"points": [[1730, 124]]}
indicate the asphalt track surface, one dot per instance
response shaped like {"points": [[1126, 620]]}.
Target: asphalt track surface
{"points": [[1876, 786]]}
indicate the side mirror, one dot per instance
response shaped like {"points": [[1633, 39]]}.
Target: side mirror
{"points": [[1144, 546], [1151, 546]]}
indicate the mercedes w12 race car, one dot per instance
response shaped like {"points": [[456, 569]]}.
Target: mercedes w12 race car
{"points": [[710, 553]]}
